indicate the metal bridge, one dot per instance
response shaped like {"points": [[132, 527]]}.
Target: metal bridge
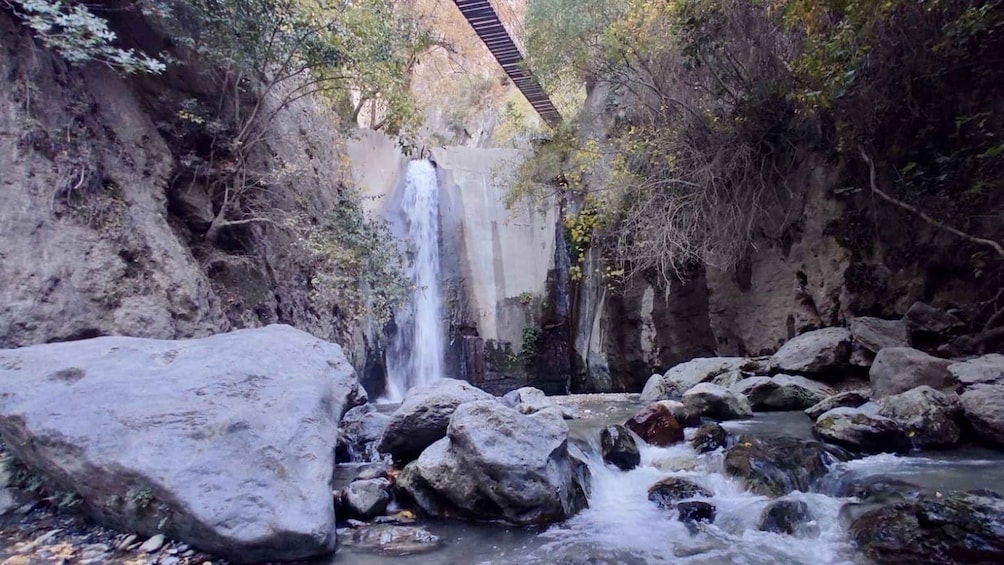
{"points": [[486, 23]]}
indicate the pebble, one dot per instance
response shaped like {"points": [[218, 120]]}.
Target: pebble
{"points": [[124, 544], [153, 544]]}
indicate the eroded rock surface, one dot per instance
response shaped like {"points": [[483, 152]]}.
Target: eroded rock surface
{"points": [[225, 442], [899, 369], [815, 351]]}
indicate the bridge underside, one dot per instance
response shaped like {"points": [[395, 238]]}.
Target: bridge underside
{"points": [[486, 23]]}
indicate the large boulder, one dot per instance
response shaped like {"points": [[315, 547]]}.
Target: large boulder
{"points": [[778, 465], [943, 528], [984, 409], [875, 334], [848, 399], [782, 392], [985, 370], [498, 464], [861, 429], [422, 418], [619, 448], [717, 402], [924, 318], [685, 376], [786, 516], [899, 369], [367, 498], [528, 400], [814, 352], [928, 417], [656, 424], [226, 442]]}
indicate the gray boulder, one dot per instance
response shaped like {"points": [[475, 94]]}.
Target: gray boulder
{"points": [[422, 418], [985, 370], [363, 427], [778, 465], [923, 317], [848, 399], [984, 409], [927, 416], [685, 376], [899, 369], [782, 392], [717, 402], [861, 429], [815, 351], [226, 442], [367, 498], [498, 464], [875, 334]]}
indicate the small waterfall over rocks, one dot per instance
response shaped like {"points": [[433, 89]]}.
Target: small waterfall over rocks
{"points": [[415, 355]]}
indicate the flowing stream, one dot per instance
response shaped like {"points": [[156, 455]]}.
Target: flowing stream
{"points": [[415, 356], [622, 527]]}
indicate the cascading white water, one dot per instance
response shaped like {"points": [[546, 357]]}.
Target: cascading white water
{"points": [[416, 354]]}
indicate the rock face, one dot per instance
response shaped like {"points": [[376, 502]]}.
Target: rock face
{"points": [[815, 351], [422, 418], [944, 528], [849, 399], [225, 442], [875, 334], [861, 429], [717, 402], [619, 448], [984, 408], [927, 416], [656, 425], [775, 466], [782, 392], [899, 369], [498, 464], [685, 376]]}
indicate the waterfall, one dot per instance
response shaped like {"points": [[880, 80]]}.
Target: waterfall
{"points": [[415, 356]]}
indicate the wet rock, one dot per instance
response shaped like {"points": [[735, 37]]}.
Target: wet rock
{"points": [[983, 406], [389, 539], [985, 370], [925, 318], [940, 528], [498, 464], [716, 402], [861, 429], [693, 511], [367, 498], [927, 416], [685, 376], [786, 516], [673, 489], [709, 437], [899, 369], [875, 334], [782, 392], [687, 417], [363, 427], [848, 399], [815, 351], [153, 544], [422, 418], [656, 425], [775, 466], [619, 448], [876, 487], [204, 440]]}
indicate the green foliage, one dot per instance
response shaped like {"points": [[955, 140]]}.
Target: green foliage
{"points": [[531, 343], [73, 30], [143, 498], [525, 298], [357, 263]]}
